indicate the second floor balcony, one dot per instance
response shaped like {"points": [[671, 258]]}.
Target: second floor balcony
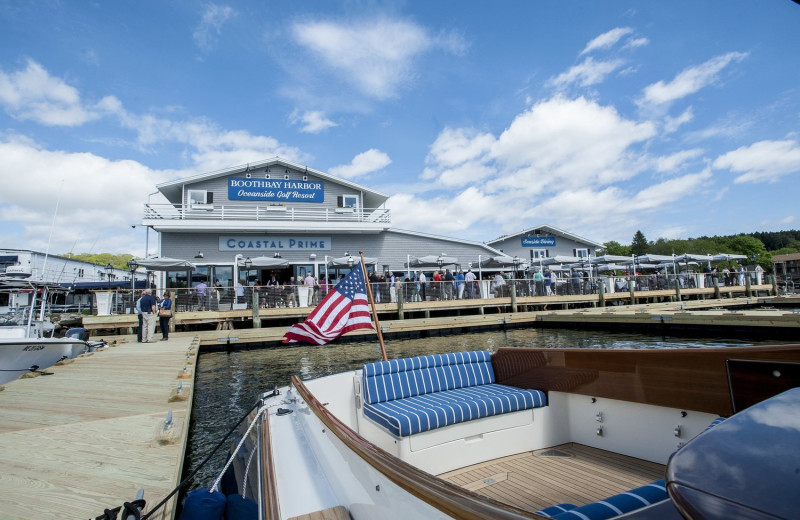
{"points": [[233, 215]]}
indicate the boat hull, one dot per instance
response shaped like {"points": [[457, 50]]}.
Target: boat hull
{"points": [[18, 356]]}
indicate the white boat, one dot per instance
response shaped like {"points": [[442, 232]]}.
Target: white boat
{"points": [[28, 345], [604, 434]]}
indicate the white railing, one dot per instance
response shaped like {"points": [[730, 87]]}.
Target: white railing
{"points": [[265, 212]]}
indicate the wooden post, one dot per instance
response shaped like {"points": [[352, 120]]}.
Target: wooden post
{"points": [[716, 289], [678, 290], [512, 290], [748, 289], [774, 280], [372, 305], [400, 303], [601, 292], [632, 288], [256, 319]]}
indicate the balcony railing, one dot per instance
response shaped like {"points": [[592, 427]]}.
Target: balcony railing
{"points": [[264, 212]]}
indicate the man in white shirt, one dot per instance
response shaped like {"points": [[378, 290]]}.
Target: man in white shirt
{"points": [[469, 279]]}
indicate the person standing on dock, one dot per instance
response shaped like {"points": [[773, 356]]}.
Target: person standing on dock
{"points": [[164, 314], [148, 316], [469, 280], [138, 309]]}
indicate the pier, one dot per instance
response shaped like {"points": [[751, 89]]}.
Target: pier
{"points": [[93, 433]]}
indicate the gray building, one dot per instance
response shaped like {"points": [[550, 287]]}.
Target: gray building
{"points": [[545, 242], [278, 209]]}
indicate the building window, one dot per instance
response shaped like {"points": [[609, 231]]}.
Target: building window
{"points": [[580, 253], [200, 197], [347, 201], [540, 253]]}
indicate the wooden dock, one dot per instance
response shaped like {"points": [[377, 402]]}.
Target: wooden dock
{"points": [[89, 436]]}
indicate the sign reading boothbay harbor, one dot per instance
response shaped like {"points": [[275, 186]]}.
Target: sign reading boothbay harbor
{"points": [[268, 243], [538, 241], [276, 190]]}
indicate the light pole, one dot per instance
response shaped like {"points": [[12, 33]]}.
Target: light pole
{"points": [[109, 270], [132, 266]]}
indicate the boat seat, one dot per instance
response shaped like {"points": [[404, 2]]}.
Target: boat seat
{"points": [[612, 506], [413, 395]]}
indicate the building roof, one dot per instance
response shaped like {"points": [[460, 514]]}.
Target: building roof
{"points": [[173, 189], [548, 229], [786, 258]]}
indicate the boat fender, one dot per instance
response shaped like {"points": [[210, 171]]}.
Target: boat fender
{"points": [[202, 504], [240, 508]]}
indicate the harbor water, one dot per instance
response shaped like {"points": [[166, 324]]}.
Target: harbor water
{"points": [[228, 383]]}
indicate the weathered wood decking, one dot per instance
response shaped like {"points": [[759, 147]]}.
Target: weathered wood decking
{"points": [[90, 435]]}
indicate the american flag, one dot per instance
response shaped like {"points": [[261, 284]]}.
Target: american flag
{"points": [[344, 309]]}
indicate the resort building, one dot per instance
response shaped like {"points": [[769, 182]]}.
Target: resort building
{"points": [[545, 242], [277, 218]]}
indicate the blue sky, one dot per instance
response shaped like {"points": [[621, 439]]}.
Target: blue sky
{"points": [[479, 119]]}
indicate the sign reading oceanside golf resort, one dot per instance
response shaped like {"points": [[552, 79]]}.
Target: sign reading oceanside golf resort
{"points": [[276, 190], [255, 243], [538, 241]]}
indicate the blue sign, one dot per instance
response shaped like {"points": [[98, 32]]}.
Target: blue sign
{"points": [[538, 241], [276, 190]]}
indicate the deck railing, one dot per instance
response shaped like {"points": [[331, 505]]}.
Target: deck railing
{"points": [[264, 212], [288, 296]]}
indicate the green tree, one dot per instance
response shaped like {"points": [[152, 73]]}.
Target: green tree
{"points": [[118, 261], [639, 243], [615, 248]]}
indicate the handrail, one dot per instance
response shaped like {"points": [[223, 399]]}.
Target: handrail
{"points": [[264, 212], [448, 498], [269, 499]]}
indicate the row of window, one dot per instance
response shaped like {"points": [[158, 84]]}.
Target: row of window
{"points": [[204, 197]]}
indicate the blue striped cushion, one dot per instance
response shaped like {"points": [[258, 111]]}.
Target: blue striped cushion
{"points": [[409, 377], [550, 512], [618, 504], [425, 412]]}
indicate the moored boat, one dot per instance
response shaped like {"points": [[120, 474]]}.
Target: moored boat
{"points": [[529, 433]]}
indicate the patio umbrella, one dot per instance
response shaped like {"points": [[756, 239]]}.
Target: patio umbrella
{"points": [[264, 261], [344, 261], [500, 261], [430, 261], [166, 264], [608, 259]]}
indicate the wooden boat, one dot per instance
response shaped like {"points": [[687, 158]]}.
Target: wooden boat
{"points": [[619, 433]]}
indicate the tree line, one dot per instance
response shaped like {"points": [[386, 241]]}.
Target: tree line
{"points": [[761, 245]]}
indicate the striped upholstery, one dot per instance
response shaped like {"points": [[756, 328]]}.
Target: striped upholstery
{"points": [[552, 511], [618, 504], [418, 394]]}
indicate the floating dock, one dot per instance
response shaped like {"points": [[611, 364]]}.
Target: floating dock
{"points": [[92, 434]]}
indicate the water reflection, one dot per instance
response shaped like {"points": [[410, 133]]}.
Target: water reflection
{"points": [[227, 384]]}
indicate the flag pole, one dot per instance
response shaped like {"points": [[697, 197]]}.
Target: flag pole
{"points": [[372, 306]]}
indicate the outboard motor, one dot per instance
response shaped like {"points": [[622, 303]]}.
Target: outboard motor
{"points": [[78, 333]]}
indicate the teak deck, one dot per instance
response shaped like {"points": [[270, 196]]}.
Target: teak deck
{"points": [[89, 436], [534, 480]]}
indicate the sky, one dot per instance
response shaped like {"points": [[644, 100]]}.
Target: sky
{"points": [[680, 119]]}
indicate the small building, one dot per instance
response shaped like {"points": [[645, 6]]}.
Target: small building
{"points": [[545, 242], [282, 210], [787, 266], [76, 276]]}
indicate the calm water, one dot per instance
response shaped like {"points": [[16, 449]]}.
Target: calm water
{"points": [[227, 384]]}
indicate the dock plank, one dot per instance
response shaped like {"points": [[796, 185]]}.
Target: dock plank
{"points": [[87, 437]]}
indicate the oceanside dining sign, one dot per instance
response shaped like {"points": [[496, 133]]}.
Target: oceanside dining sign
{"points": [[538, 241], [276, 190], [268, 243]]}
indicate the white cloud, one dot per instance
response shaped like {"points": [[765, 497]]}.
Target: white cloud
{"points": [[364, 163], [689, 80], [377, 55], [210, 27], [671, 163], [99, 199], [454, 146], [313, 121], [764, 161], [671, 124], [587, 73], [33, 94], [607, 39]]}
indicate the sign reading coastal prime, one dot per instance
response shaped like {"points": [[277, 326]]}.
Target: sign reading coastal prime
{"points": [[276, 190]]}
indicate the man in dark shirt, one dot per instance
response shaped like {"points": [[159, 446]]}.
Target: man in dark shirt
{"points": [[149, 316]]}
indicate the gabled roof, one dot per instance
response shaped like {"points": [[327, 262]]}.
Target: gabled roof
{"points": [[172, 190], [547, 229], [786, 258], [458, 241]]}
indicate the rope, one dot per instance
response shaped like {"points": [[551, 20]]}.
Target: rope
{"points": [[238, 447], [247, 471], [203, 463]]}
